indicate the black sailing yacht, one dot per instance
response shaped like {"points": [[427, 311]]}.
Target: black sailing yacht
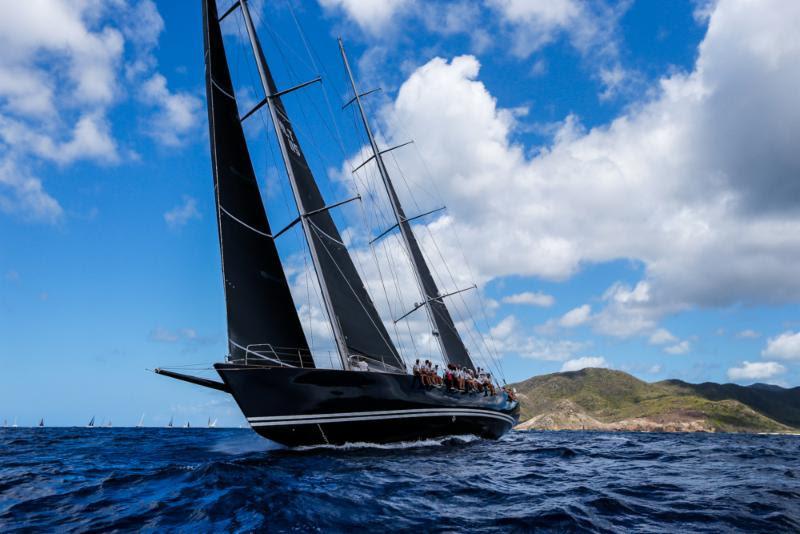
{"points": [[269, 369]]}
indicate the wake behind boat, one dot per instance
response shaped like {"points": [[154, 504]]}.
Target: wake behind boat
{"points": [[269, 369]]}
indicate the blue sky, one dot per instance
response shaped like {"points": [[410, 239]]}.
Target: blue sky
{"points": [[620, 179]]}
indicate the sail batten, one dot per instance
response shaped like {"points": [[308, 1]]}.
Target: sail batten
{"points": [[358, 328], [260, 310]]}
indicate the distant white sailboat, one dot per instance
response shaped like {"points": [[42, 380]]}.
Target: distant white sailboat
{"points": [[212, 424], [91, 423], [15, 423], [169, 425], [109, 424], [187, 425], [140, 424]]}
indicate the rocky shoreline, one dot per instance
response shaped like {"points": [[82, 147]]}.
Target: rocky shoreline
{"points": [[567, 416]]}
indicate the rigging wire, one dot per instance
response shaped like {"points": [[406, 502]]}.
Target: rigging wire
{"points": [[311, 53], [312, 139]]}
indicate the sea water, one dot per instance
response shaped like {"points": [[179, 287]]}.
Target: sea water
{"points": [[201, 480]]}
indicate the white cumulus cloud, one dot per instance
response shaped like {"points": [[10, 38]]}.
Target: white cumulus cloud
{"points": [[583, 362], [23, 195], [177, 114], [715, 220], [182, 213], [755, 371], [532, 298], [678, 348], [508, 337], [64, 66], [576, 316], [661, 337], [590, 27], [785, 346], [371, 15], [748, 334]]}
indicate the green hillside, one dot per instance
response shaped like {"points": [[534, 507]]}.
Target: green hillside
{"points": [[607, 399], [782, 405]]}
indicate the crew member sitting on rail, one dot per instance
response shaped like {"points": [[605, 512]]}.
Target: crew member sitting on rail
{"points": [[487, 384], [467, 380], [417, 374], [480, 378], [449, 376], [461, 376], [437, 380], [474, 385]]}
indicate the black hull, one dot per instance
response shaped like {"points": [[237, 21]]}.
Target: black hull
{"points": [[322, 406]]}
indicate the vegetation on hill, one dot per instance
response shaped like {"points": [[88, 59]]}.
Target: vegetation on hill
{"points": [[782, 405], [614, 400]]}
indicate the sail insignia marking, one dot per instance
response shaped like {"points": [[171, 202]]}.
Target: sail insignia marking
{"points": [[259, 305]]}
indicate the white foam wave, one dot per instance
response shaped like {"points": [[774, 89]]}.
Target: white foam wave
{"points": [[466, 438], [244, 445]]}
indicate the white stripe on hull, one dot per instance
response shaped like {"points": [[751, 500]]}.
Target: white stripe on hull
{"points": [[287, 420]]}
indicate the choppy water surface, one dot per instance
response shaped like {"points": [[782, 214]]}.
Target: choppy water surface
{"points": [[197, 480]]}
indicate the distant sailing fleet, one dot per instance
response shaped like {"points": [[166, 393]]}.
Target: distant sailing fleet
{"points": [[212, 423]]}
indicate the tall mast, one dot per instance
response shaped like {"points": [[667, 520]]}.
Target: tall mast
{"points": [[450, 342], [277, 122]]}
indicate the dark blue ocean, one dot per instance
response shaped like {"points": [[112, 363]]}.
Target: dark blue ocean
{"points": [[203, 480]]}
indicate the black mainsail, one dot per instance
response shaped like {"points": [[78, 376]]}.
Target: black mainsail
{"points": [[445, 330], [357, 326], [262, 318]]}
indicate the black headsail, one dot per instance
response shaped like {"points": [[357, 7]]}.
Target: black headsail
{"points": [[357, 326], [262, 317], [452, 346]]}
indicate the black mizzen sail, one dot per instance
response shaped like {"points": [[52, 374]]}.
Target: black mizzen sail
{"points": [[452, 345], [357, 325], [260, 309]]}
